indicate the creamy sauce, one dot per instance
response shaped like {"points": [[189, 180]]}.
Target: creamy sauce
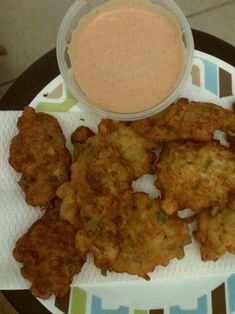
{"points": [[127, 56]]}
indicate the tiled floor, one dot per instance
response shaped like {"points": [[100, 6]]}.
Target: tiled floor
{"points": [[29, 37]]}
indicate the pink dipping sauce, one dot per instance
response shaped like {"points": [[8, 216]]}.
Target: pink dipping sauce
{"points": [[127, 56]]}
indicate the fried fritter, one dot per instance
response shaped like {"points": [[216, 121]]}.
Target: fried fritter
{"points": [[98, 198], [216, 232], [186, 120], [162, 239], [81, 135], [48, 254], [135, 149], [99, 176], [100, 202], [104, 245], [79, 138], [195, 175], [150, 238], [38, 152]]}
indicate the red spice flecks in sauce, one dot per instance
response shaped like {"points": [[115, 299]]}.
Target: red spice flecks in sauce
{"points": [[127, 56]]}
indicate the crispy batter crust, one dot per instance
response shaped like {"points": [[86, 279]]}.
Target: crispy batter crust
{"points": [[194, 175], [48, 254], [81, 135], [216, 232], [99, 213], [135, 149], [79, 138], [150, 238], [38, 152], [186, 120], [98, 198]]}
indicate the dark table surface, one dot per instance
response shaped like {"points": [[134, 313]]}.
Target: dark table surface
{"points": [[31, 82]]}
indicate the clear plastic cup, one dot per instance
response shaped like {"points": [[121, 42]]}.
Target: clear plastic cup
{"points": [[79, 9]]}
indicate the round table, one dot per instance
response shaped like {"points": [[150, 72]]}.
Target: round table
{"points": [[37, 76]]}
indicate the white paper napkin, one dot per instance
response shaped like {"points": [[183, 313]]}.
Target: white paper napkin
{"points": [[16, 216]]}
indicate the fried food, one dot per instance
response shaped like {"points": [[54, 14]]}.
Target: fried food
{"points": [[162, 239], [38, 152], [135, 149], [79, 138], [99, 201], [98, 211], [195, 175], [186, 120], [98, 197], [150, 238], [48, 254], [216, 232], [99, 176], [81, 135]]}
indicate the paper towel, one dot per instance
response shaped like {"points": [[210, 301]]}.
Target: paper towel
{"points": [[16, 216]]}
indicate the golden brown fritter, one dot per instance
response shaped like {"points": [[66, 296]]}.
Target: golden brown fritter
{"points": [[99, 174], [216, 232], [48, 254], [99, 213], [150, 238], [186, 120], [195, 175], [81, 135], [79, 138], [38, 152], [98, 197], [135, 149], [104, 167], [105, 247]]}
